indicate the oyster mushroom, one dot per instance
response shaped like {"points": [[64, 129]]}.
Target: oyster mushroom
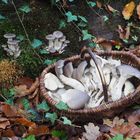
{"points": [[68, 69], [72, 83], [57, 44], [59, 67], [52, 82], [128, 88], [126, 72], [58, 34], [75, 99], [51, 38], [9, 36]]}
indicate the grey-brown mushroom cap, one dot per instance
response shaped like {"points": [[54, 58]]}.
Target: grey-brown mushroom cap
{"points": [[9, 35], [58, 34], [50, 37]]}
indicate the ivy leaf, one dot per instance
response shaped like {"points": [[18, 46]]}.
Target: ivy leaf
{"points": [[5, 1], [71, 17], [51, 116], [83, 19], [66, 121], [26, 103], [59, 133], [43, 51], [92, 4], [36, 43], [43, 106], [105, 18], [92, 44], [49, 62], [71, 0], [30, 137], [25, 8], [20, 37], [82, 24], [62, 24], [10, 101], [2, 17], [118, 137], [61, 106], [86, 35]]}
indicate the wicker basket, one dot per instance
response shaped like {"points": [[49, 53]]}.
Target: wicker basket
{"points": [[105, 110]]}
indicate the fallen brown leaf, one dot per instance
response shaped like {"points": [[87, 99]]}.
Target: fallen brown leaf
{"points": [[99, 4], [39, 130], [128, 130], [128, 10], [8, 133], [25, 122], [138, 10], [4, 122], [9, 111]]}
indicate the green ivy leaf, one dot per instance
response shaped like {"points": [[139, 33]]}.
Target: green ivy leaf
{"points": [[49, 62], [83, 19], [71, 17], [92, 44], [30, 137], [10, 101], [36, 43], [61, 106], [43, 51], [92, 4], [118, 137], [105, 18], [25, 103], [59, 133], [5, 1], [62, 24], [2, 17], [20, 37], [66, 121], [71, 0], [51, 116], [86, 35], [82, 24], [25, 8], [43, 106]]}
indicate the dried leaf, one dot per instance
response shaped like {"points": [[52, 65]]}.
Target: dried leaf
{"points": [[25, 122], [9, 111], [116, 122], [92, 132], [8, 133], [129, 130], [99, 4], [39, 130], [138, 11], [128, 10], [4, 122]]}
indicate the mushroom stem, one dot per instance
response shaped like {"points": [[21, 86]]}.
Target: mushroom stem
{"points": [[99, 71]]}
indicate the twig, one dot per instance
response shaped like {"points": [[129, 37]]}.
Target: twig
{"points": [[27, 36]]}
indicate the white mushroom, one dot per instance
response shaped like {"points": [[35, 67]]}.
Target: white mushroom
{"points": [[75, 99], [57, 44], [72, 83], [58, 34], [50, 38], [9, 36], [68, 69], [52, 82], [126, 72], [128, 88], [59, 67]]}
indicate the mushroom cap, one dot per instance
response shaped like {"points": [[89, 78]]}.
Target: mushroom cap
{"points": [[66, 41], [63, 39], [50, 37], [58, 34], [129, 71], [75, 99], [9, 35], [13, 42], [52, 82], [68, 69]]}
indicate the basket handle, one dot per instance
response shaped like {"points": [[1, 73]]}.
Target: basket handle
{"points": [[93, 56]]}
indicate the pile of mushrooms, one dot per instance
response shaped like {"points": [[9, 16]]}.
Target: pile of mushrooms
{"points": [[56, 42], [12, 48], [80, 86]]}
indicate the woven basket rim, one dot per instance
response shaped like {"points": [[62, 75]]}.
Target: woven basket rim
{"points": [[103, 107]]}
